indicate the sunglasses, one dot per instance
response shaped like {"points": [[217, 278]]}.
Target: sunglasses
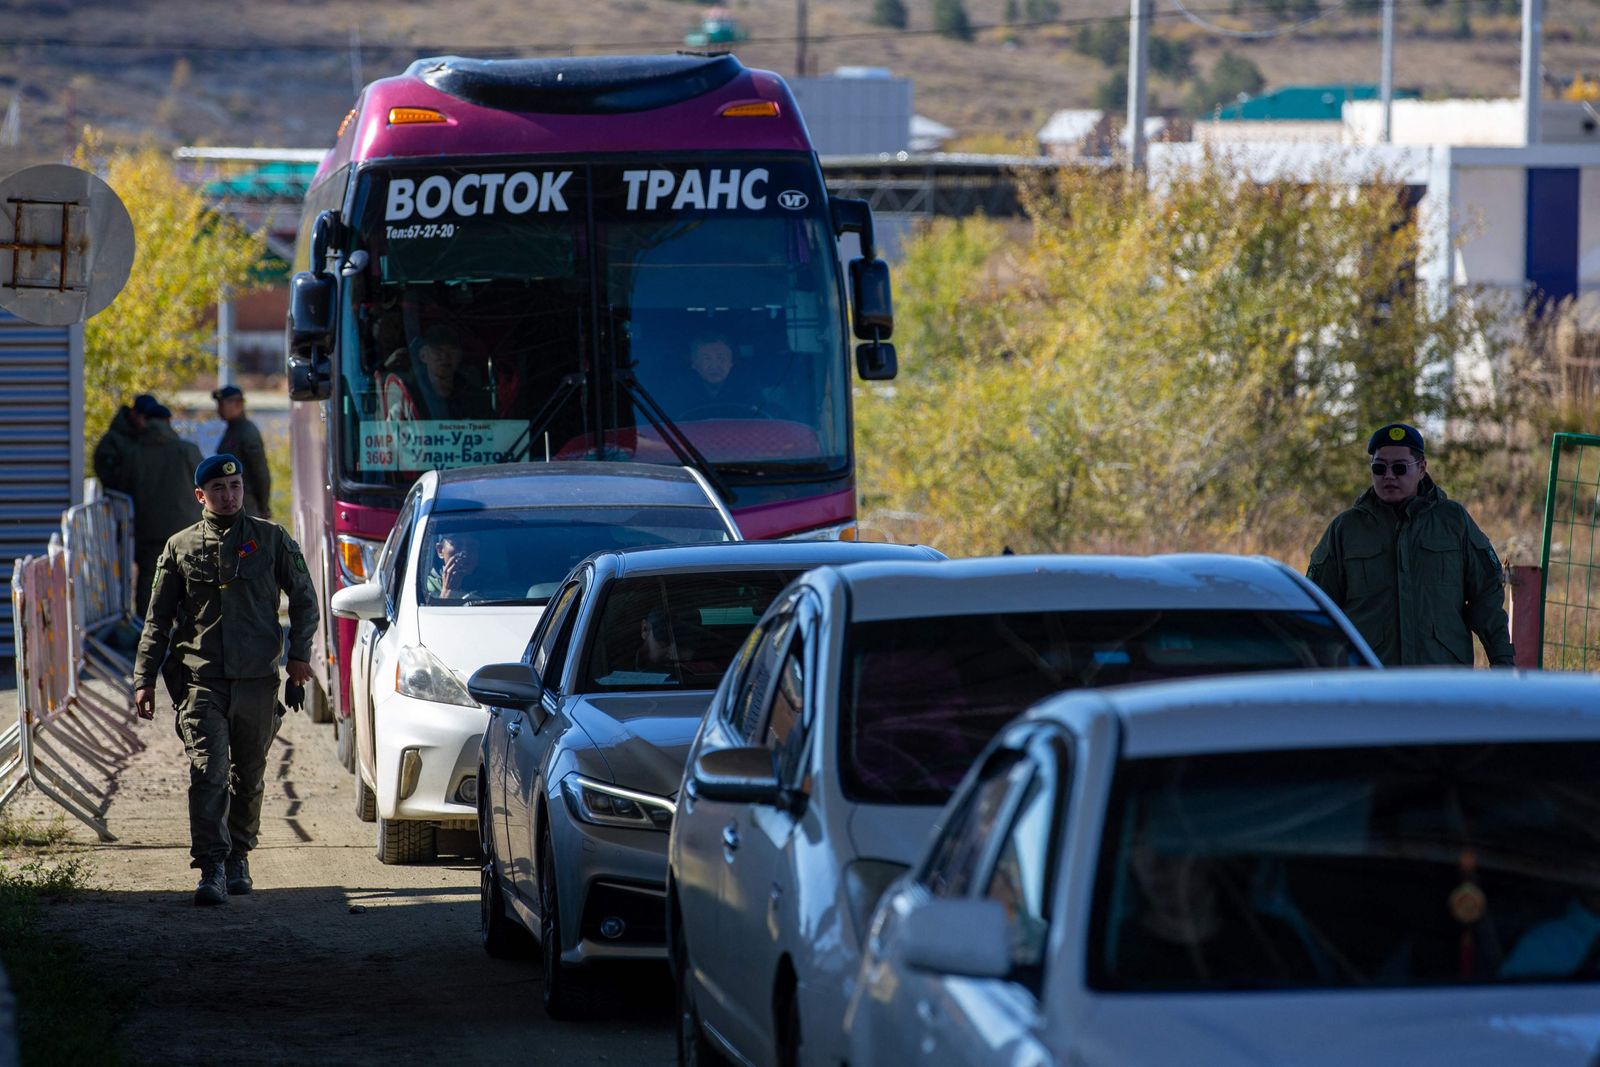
{"points": [[1380, 468]]}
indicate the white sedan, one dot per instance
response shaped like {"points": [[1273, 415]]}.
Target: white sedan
{"points": [[1400, 867], [462, 580]]}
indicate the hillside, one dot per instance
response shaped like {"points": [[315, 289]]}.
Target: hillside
{"points": [[281, 72]]}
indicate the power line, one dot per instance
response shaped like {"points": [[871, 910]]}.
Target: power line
{"points": [[1258, 35]]}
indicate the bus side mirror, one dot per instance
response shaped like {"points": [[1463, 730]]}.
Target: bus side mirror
{"points": [[876, 362], [871, 306], [312, 298]]}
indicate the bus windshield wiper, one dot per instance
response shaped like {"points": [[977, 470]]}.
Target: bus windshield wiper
{"points": [[564, 389], [675, 438]]}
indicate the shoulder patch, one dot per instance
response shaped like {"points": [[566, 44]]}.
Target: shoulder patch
{"points": [[299, 561]]}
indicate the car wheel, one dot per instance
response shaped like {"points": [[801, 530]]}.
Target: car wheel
{"points": [[694, 1050], [500, 935], [567, 990], [318, 706], [366, 800], [406, 841], [344, 743]]}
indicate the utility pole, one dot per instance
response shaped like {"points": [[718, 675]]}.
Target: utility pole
{"points": [[1138, 64], [1386, 73], [1532, 68], [356, 80], [800, 39]]}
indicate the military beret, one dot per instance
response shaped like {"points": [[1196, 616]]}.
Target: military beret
{"points": [[226, 391], [222, 465], [1396, 433], [144, 402]]}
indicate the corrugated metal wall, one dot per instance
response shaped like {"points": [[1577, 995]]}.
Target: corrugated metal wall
{"points": [[41, 441]]}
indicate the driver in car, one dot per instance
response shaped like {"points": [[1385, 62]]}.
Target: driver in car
{"points": [[455, 574]]}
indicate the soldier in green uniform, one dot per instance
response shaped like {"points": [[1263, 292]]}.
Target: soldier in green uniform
{"points": [[243, 440], [114, 452], [219, 581], [1409, 566], [159, 477]]}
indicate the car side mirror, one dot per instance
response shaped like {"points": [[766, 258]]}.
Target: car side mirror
{"points": [[738, 776], [363, 602], [506, 685], [950, 935]]}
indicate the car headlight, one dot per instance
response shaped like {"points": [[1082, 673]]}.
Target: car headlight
{"points": [[418, 673], [864, 883], [609, 805], [358, 558]]}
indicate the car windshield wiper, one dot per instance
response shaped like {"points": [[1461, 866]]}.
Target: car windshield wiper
{"points": [[520, 601], [675, 438]]}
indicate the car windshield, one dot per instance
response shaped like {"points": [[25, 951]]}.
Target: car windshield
{"points": [[922, 697], [677, 631], [1419, 865], [520, 555]]}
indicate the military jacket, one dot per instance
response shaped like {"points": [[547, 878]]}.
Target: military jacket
{"points": [[160, 479], [114, 452], [243, 440], [1417, 582], [220, 585]]}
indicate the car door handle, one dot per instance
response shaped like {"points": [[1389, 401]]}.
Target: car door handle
{"points": [[730, 837], [513, 727]]}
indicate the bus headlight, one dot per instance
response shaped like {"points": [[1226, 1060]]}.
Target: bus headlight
{"points": [[358, 558]]}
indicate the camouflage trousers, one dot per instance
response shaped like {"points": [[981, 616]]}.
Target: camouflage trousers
{"points": [[227, 725]]}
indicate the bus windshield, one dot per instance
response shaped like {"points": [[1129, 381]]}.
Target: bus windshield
{"points": [[558, 310]]}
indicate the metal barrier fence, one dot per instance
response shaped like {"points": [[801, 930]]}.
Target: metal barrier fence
{"points": [[70, 738], [1570, 597], [99, 541]]}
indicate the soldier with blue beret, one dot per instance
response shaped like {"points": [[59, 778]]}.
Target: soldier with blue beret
{"points": [[215, 604], [1409, 566]]}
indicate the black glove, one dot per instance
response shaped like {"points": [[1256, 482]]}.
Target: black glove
{"points": [[294, 694]]}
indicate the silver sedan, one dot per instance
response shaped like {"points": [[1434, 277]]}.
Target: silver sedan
{"points": [[1400, 867]]}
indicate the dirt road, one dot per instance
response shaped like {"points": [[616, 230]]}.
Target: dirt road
{"points": [[334, 958]]}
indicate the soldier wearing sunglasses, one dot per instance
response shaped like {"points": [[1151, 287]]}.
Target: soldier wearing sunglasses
{"points": [[1409, 566]]}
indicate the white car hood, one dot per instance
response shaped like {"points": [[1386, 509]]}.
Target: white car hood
{"points": [[467, 638], [1529, 1026]]}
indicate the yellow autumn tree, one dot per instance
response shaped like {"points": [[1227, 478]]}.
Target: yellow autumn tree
{"points": [[154, 336], [1195, 367]]}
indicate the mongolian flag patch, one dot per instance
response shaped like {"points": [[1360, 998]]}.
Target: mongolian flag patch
{"points": [[247, 548]]}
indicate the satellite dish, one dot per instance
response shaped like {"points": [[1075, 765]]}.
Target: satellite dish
{"points": [[66, 245]]}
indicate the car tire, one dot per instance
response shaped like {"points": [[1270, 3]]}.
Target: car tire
{"points": [[694, 1050], [406, 841], [500, 935], [366, 801], [568, 991], [344, 743], [318, 706]]}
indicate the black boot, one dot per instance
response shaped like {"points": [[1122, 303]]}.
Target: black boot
{"points": [[213, 887], [238, 875]]}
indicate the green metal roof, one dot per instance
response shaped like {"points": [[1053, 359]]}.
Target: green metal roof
{"points": [[1304, 103], [270, 181]]}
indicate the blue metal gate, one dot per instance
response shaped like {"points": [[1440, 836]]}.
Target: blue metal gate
{"points": [[41, 441]]}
